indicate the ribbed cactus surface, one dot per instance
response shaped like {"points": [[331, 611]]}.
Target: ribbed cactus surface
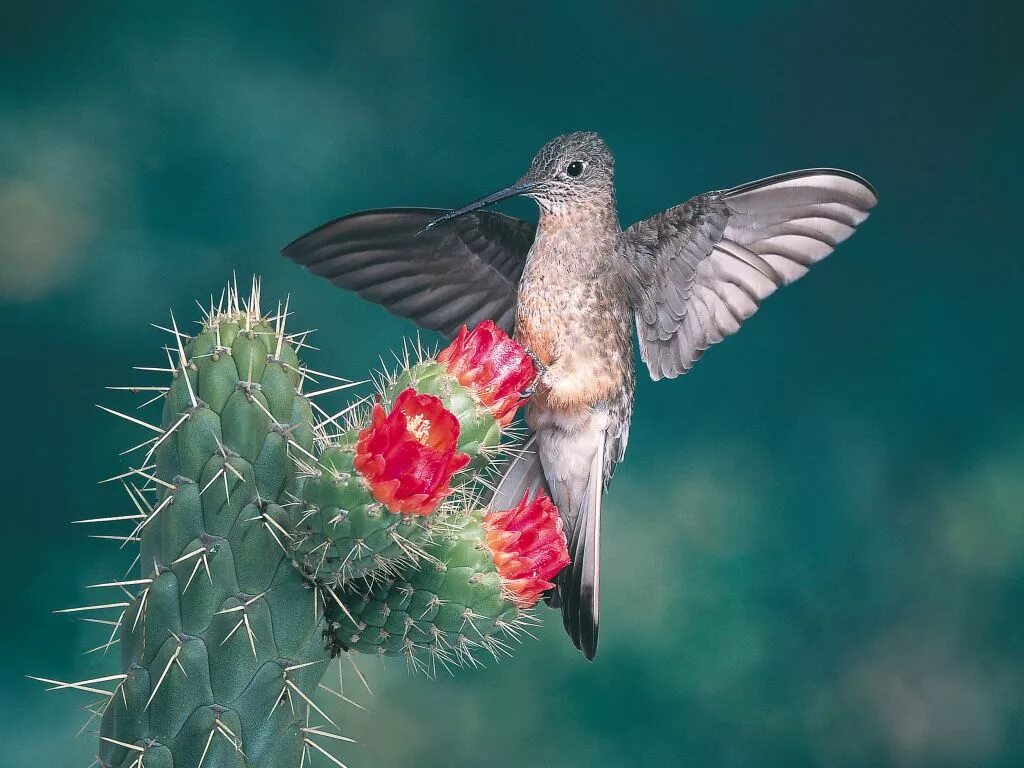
{"points": [[467, 596], [222, 646], [346, 533], [439, 612]]}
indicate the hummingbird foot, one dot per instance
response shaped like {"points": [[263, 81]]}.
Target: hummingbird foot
{"points": [[539, 367]]}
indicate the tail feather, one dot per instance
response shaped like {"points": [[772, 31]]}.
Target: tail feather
{"points": [[579, 585], [523, 474]]}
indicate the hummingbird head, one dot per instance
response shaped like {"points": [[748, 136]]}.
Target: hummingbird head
{"points": [[573, 171]]}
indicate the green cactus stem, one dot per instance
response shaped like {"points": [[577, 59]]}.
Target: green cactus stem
{"points": [[221, 646], [471, 592], [349, 530]]}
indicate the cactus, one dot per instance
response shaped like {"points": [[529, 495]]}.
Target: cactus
{"points": [[354, 523], [474, 586], [221, 648], [368, 503], [269, 543]]}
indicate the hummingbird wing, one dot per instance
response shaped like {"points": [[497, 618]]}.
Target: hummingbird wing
{"points": [[460, 272], [706, 265]]}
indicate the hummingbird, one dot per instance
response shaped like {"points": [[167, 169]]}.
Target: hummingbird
{"points": [[572, 288]]}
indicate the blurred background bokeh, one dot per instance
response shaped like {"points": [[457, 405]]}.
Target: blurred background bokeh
{"points": [[814, 551]]}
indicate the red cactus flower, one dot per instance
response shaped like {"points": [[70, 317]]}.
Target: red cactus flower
{"points": [[528, 546], [408, 457], [493, 366]]}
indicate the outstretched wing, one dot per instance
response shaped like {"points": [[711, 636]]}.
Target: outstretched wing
{"points": [[706, 265], [459, 272]]}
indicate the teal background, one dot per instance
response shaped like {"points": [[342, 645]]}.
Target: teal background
{"points": [[814, 552]]}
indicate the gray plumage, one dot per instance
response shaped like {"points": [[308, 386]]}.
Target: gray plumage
{"points": [[463, 272], [573, 287], [706, 265]]}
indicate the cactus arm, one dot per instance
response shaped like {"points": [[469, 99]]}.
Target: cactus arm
{"points": [[223, 647]]}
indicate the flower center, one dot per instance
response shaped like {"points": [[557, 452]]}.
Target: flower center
{"points": [[419, 426]]}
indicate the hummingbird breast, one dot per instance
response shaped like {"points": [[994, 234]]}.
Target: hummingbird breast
{"points": [[574, 314]]}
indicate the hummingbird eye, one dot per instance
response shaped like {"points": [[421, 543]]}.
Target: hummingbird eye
{"points": [[574, 169]]}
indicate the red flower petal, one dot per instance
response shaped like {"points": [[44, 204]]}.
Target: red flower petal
{"points": [[528, 546], [495, 367], [408, 456]]}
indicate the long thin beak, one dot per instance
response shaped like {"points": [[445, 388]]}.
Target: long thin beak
{"points": [[519, 188]]}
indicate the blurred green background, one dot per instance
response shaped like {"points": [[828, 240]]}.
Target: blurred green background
{"points": [[815, 549]]}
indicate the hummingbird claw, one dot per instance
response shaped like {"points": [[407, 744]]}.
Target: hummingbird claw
{"points": [[539, 367]]}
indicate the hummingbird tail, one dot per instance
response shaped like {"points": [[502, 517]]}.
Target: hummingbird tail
{"points": [[579, 585], [523, 474]]}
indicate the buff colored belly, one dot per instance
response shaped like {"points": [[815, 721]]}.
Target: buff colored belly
{"points": [[583, 369], [536, 335]]}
